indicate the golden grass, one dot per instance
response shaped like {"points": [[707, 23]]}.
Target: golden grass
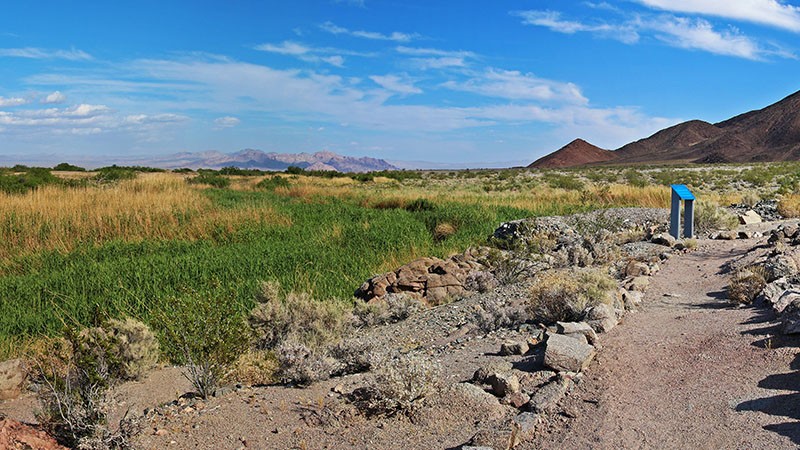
{"points": [[789, 205], [153, 206]]}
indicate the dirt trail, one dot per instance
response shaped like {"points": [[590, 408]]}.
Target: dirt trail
{"points": [[688, 370]]}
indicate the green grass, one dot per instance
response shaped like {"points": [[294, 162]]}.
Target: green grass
{"points": [[331, 247]]}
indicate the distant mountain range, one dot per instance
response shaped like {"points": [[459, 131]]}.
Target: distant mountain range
{"points": [[769, 134], [257, 159]]}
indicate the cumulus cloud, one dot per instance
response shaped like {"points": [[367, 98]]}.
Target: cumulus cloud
{"points": [[395, 83], [12, 101], [766, 12], [514, 85], [396, 36], [55, 97], [226, 122], [39, 53]]}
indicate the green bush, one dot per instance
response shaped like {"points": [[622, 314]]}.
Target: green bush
{"points": [[709, 216], [66, 167], [273, 182], [31, 179], [210, 178]]}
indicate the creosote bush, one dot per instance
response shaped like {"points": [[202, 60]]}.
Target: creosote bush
{"points": [[746, 283], [129, 345], [710, 216], [564, 295], [207, 334], [393, 308]]}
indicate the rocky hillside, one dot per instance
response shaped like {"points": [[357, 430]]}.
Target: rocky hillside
{"points": [[768, 134]]}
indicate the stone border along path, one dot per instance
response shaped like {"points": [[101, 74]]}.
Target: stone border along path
{"points": [[688, 370]]}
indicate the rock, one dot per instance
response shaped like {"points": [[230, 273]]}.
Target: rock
{"points": [[578, 336], [636, 268], [12, 378], [745, 234], [638, 284], [530, 382], [601, 318], [476, 399], [472, 447], [577, 327], [779, 294], [567, 354], [516, 399], [513, 348], [16, 435], [503, 384], [548, 396], [663, 239], [525, 425], [161, 432], [749, 217], [780, 266], [725, 235], [484, 372], [632, 299], [790, 318]]}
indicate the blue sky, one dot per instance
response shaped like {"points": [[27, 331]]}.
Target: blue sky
{"points": [[441, 81]]}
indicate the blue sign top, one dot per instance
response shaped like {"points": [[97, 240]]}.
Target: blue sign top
{"points": [[683, 192]]}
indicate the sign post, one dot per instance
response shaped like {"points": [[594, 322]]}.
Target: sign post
{"points": [[681, 193]]}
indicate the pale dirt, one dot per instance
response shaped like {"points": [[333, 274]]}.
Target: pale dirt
{"points": [[687, 371]]}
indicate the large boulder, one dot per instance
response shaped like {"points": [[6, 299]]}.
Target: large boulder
{"points": [[566, 354], [15, 435], [433, 281], [583, 328], [749, 217], [548, 396], [790, 318], [12, 378], [601, 318]]}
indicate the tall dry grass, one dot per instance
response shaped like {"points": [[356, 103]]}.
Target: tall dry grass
{"points": [[156, 206]]}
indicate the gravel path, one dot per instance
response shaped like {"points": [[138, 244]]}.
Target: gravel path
{"points": [[688, 371]]}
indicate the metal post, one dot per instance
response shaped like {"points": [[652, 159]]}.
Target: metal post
{"points": [[675, 216], [688, 219]]}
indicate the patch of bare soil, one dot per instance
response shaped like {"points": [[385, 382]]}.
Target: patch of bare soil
{"points": [[688, 371]]}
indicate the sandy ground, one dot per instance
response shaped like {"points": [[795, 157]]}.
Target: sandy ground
{"points": [[687, 371]]}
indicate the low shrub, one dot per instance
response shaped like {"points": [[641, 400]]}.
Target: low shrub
{"points": [[273, 182], [255, 368], [393, 308], [211, 179], [746, 283], [563, 295], [443, 230], [401, 385], [420, 204], [709, 216], [66, 167], [497, 314], [205, 333], [789, 205], [128, 346]]}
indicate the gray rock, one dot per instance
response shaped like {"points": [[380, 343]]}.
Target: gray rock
{"points": [[513, 348], [548, 396], [503, 384], [725, 235], [580, 337], [790, 319], [749, 217], [566, 354], [638, 284], [525, 425], [475, 398], [484, 372], [601, 318], [632, 299], [12, 378], [779, 266], [663, 239], [583, 328], [636, 268]]}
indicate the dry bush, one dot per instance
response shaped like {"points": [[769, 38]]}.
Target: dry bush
{"points": [[746, 283], [709, 216], [401, 385], [563, 295], [129, 344], [393, 308], [255, 368], [443, 230], [74, 387], [301, 365], [495, 314], [750, 198], [789, 205], [278, 318]]}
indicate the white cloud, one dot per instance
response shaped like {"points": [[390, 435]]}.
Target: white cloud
{"points": [[396, 36], [767, 12], [12, 101], [226, 122], [681, 32], [417, 51], [698, 34], [436, 58], [38, 53], [394, 83], [553, 21], [284, 48], [55, 97], [514, 85]]}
